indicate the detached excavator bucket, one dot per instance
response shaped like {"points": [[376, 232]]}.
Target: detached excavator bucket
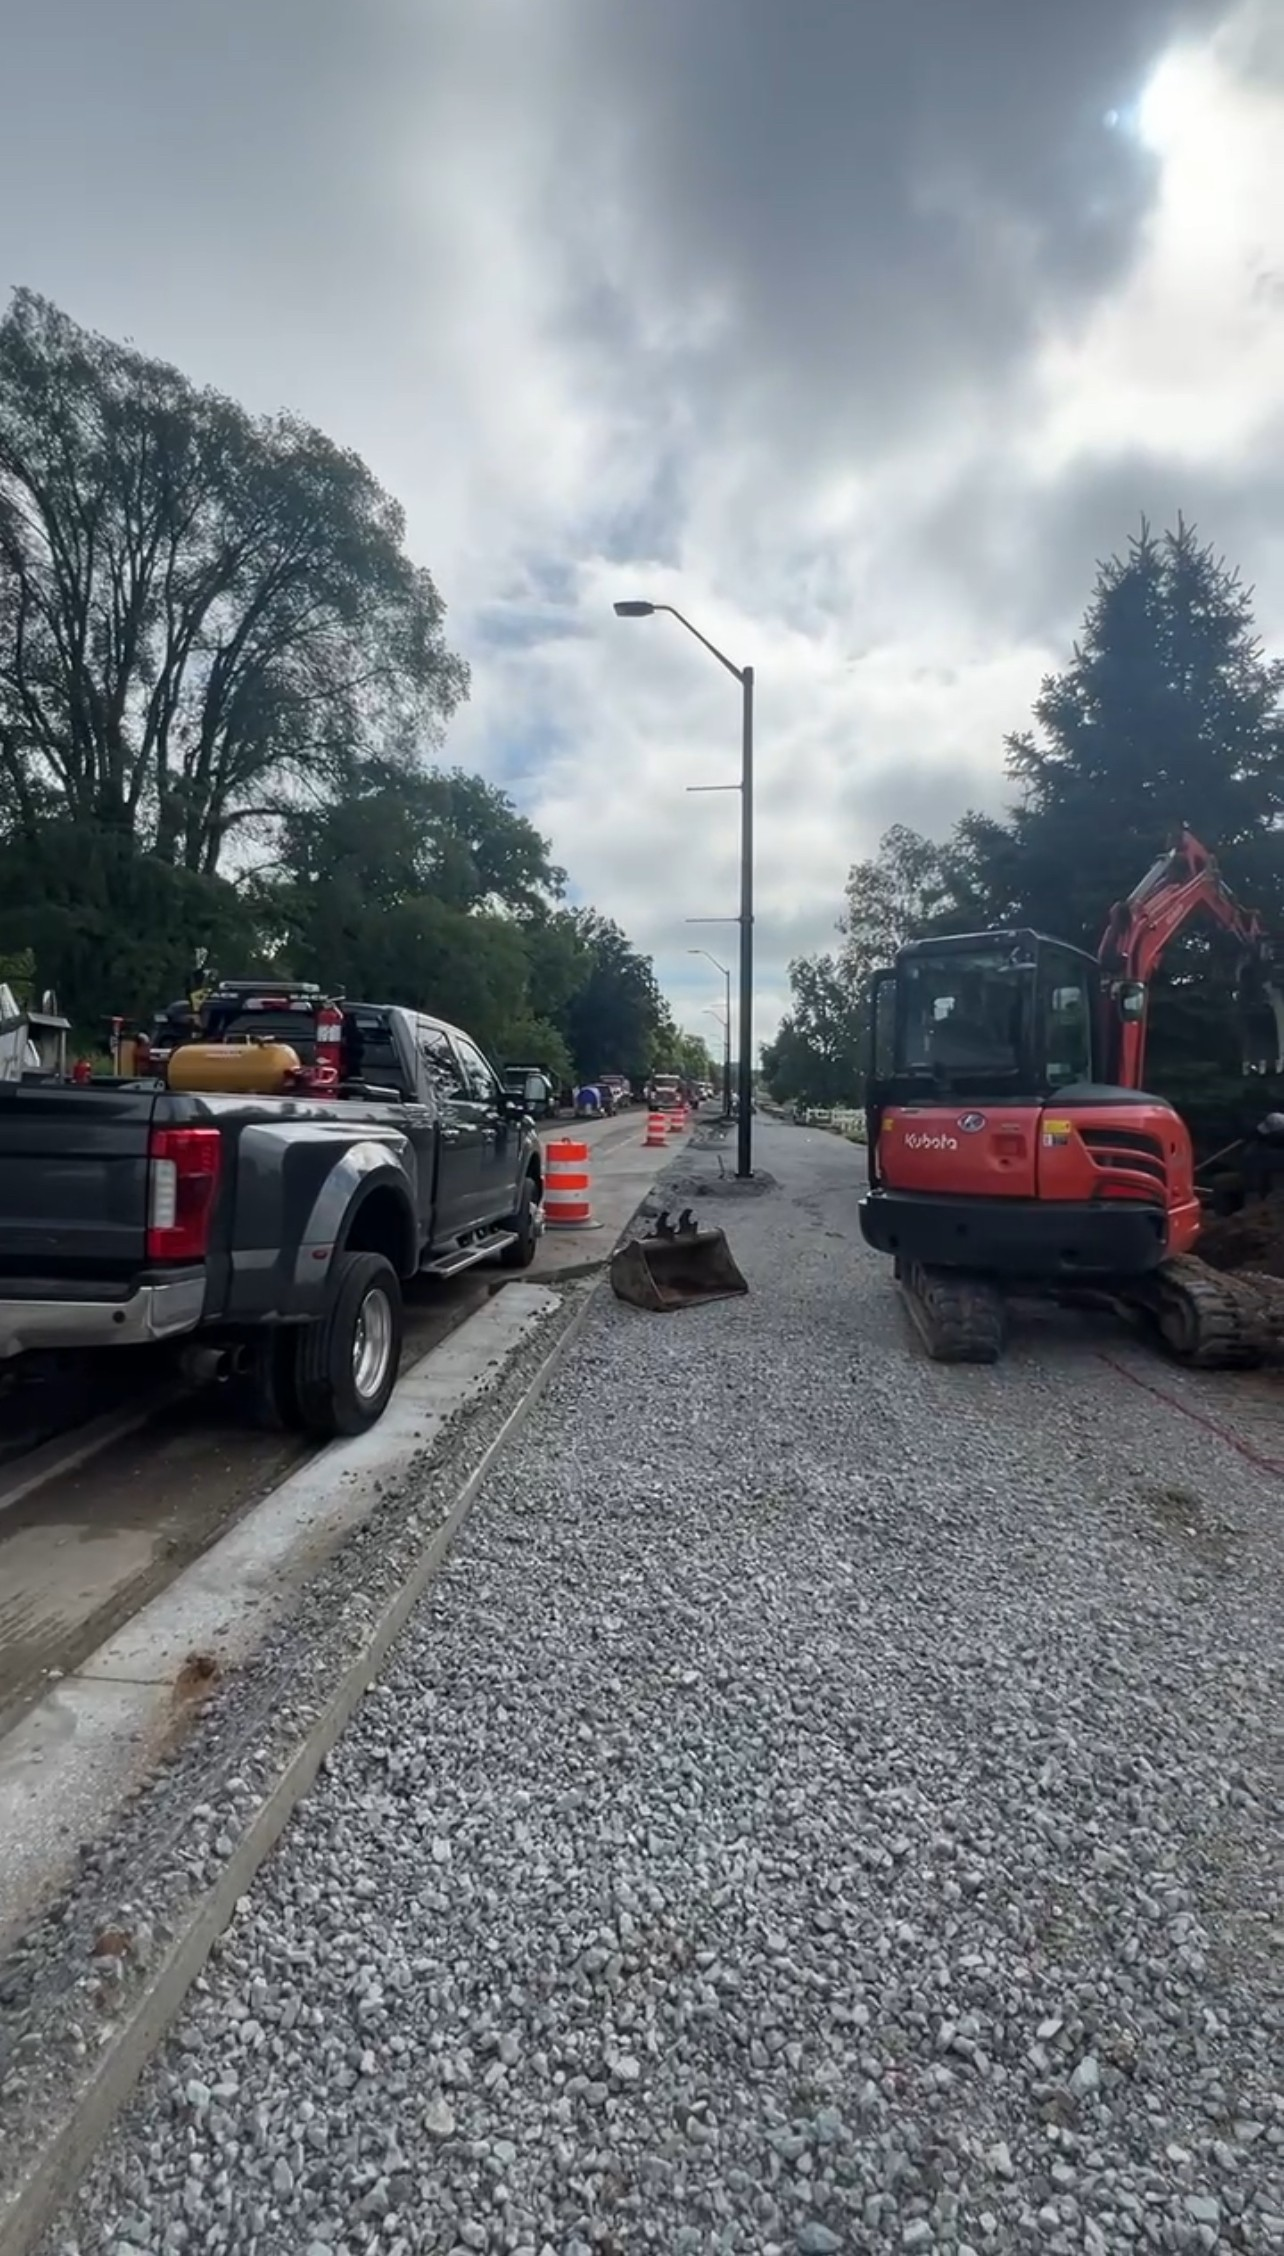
{"points": [[678, 1267]]}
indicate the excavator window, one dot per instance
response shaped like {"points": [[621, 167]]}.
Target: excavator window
{"points": [[961, 1020], [1065, 1016], [1008, 1017]]}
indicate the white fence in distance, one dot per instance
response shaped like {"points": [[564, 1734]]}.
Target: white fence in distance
{"points": [[838, 1119]]}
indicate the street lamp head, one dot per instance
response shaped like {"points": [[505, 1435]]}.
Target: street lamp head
{"points": [[634, 610]]}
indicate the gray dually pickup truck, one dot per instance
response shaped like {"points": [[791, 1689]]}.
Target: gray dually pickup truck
{"points": [[276, 1230]]}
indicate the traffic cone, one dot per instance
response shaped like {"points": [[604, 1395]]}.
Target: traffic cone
{"points": [[567, 1185]]}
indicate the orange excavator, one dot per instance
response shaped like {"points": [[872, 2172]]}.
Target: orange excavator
{"points": [[1013, 1149]]}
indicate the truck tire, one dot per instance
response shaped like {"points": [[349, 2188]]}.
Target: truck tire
{"points": [[526, 1224], [347, 1363]]}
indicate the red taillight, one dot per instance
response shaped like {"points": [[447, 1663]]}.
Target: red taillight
{"points": [[183, 1167]]}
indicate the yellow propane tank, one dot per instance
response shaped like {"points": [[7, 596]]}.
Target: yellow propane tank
{"points": [[243, 1069]]}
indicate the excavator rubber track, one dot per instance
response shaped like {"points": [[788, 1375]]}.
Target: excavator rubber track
{"points": [[1209, 1320], [959, 1318]]}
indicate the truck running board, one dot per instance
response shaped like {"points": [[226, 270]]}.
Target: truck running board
{"points": [[467, 1257]]}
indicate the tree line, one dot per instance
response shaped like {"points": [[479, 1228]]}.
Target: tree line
{"points": [[224, 688], [1169, 712]]}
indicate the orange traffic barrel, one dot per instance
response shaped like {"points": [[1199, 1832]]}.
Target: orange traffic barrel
{"points": [[656, 1131], [567, 1184], [678, 1121]]}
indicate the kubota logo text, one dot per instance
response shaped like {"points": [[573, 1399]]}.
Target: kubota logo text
{"points": [[931, 1143]]}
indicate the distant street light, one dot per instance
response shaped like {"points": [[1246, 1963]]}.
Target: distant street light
{"points": [[726, 1028], [744, 675]]}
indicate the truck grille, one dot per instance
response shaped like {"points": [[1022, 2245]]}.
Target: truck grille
{"points": [[1131, 1164]]}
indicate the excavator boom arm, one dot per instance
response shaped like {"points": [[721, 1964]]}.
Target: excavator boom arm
{"points": [[1181, 885]]}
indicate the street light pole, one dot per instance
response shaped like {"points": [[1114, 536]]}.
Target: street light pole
{"points": [[744, 675], [726, 1028]]}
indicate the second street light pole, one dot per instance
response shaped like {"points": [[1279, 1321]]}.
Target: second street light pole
{"points": [[744, 1063], [724, 1021], [726, 1027]]}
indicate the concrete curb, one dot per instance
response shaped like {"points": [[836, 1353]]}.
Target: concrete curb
{"points": [[53, 2173]]}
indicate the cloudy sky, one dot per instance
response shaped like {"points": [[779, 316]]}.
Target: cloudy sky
{"points": [[857, 329]]}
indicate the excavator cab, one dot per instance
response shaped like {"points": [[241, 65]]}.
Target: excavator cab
{"points": [[963, 1023]]}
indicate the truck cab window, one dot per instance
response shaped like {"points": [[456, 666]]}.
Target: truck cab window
{"points": [[369, 1051], [440, 1061], [480, 1084]]}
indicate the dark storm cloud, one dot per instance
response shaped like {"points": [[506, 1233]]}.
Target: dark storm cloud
{"points": [[974, 550], [891, 197]]}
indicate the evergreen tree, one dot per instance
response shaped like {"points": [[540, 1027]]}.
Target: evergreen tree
{"points": [[1168, 713]]}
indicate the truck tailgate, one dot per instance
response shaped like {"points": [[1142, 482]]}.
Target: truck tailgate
{"points": [[73, 1184]]}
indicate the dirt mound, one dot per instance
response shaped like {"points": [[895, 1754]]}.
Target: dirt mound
{"points": [[1251, 1239]]}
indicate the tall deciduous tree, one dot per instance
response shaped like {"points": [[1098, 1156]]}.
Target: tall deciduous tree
{"points": [[409, 890], [113, 930], [614, 1019], [901, 891], [692, 1059], [202, 614], [817, 1057], [401, 830]]}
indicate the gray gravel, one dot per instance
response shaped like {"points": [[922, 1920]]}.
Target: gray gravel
{"points": [[826, 1805]]}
